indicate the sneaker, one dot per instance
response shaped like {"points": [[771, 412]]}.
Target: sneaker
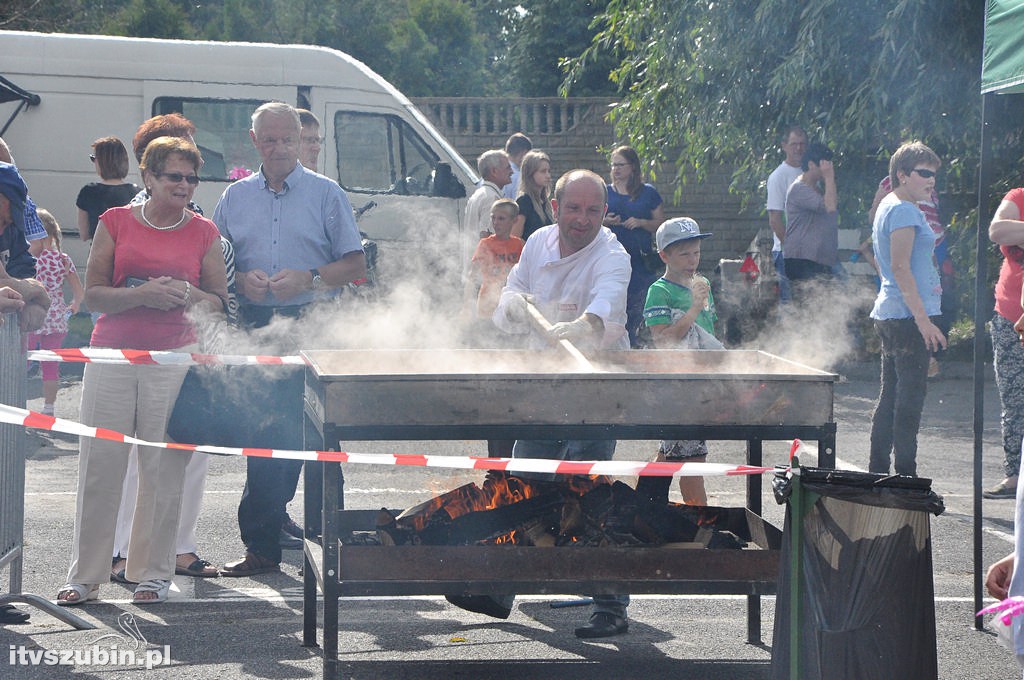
{"points": [[1004, 489], [47, 410]]}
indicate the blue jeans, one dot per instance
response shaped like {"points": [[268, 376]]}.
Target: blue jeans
{"points": [[780, 271], [897, 416], [598, 449]]}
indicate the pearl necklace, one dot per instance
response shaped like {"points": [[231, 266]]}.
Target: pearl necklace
{"points": [[177, 224]]}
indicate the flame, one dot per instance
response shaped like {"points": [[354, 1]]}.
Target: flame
{"points": [[498, 489], [509, 538]]}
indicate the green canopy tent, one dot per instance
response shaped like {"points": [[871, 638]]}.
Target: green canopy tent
{"points": [[1002, 73]]}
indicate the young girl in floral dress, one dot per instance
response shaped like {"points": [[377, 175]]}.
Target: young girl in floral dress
{"points": [[53, 269]]}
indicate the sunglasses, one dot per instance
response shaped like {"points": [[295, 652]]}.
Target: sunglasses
{"points": [[175, 177], [924, 172]]}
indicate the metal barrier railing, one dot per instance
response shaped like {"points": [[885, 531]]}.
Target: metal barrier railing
{"points": [[13, 391], [12, 452]]}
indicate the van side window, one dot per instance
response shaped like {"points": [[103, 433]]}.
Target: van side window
{"points": [[381, 154], [222, 134]]}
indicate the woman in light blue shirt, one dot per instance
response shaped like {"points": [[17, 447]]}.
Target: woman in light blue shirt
{"points": [[906, 308]]}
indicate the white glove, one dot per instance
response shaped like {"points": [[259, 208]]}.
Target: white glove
{"points": [[515, 310], [571, 329]]}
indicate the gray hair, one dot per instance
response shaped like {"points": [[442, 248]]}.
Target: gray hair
{"points": [[490, 160], [274, 109]]}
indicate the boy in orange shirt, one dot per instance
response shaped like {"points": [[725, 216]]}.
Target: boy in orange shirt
{"points": [[494, 258]]}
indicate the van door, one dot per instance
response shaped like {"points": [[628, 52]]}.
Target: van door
{"points": [[379, 157]]}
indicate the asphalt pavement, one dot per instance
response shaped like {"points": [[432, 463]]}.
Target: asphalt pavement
{"points": [[251, 627]]}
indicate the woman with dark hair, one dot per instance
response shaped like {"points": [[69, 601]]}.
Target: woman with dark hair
{"points": [[634, 213], [110, 160], [150, 265], [534, 197]]}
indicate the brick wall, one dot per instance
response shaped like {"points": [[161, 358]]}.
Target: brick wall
{"points": [[575, 134]]}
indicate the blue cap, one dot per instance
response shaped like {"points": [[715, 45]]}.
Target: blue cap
{"points": [[12, 186]]}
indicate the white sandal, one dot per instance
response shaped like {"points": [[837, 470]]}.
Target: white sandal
{"points": [[160, 586], [82, 591]]}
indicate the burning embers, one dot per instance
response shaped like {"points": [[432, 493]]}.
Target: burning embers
{"points": [[578, 511]]}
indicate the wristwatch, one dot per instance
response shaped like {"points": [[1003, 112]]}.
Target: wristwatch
{"points": [[318, 281]]}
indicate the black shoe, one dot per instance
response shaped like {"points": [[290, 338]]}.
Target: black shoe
{"points": [[603, 624], [250, 565], [481, 604], [291, 528], [8, 614], [289, 542]]}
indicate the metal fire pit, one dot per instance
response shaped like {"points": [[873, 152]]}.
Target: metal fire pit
{"points": [[498, 394]]}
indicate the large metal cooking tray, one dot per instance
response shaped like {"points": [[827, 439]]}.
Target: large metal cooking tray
{"points": [[497, 394], [430, 388]]}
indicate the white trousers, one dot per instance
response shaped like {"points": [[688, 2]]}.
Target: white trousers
{"points": [[191, 501], [135, 400]]}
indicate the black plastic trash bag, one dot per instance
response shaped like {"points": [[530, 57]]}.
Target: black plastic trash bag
{"points": [[866, 593]]}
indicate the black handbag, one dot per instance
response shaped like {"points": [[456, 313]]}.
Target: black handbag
{"points": [[236, 406], [200, 412]]}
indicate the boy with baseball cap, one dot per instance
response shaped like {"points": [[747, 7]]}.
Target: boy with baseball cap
{"points": [[680, 312]]}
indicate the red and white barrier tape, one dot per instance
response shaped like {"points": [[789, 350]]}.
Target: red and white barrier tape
{"points": [[98, 355], [612, 468]]}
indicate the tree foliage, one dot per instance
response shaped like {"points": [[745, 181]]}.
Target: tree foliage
{"points": [[717, 81], [454, 48], [547, 33]]}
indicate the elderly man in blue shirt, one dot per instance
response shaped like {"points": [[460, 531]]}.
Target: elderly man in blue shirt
{"points": [[295, 238]]}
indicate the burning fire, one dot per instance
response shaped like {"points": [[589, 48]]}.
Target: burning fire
{"points": [[507, 510]]}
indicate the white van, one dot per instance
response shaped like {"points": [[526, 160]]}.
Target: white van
{"points": [[59, 92]]}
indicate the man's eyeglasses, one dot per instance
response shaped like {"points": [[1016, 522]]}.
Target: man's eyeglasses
{"points": [[176, 177], [92, 157], [273, 141], [924, 172]]}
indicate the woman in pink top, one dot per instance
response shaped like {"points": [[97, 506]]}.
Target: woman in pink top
{"points": [[151, 267], [1007, 229]]}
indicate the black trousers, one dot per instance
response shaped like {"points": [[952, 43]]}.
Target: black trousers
{"points": [[904, 381], [806, 278], [273, 418]]}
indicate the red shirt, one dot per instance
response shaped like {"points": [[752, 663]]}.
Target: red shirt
{"points": [[1011, 274], [144, 252]]}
